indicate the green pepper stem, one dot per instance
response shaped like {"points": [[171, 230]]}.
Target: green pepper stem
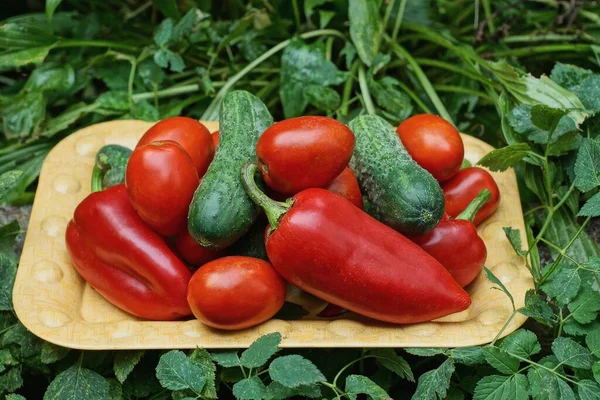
{"points": [[275, 210], [475, 205], [96, 179]]}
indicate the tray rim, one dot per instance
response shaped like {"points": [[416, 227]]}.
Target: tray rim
{"points": [[287, 328]]}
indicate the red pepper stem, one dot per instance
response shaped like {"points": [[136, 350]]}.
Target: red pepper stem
{"points": [[475, 205], [96, 179], [275, 210]]}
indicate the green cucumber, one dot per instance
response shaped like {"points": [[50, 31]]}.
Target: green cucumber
{"points": [[401, 194], [221, 212]]}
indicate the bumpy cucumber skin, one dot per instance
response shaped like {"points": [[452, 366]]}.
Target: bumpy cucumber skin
{"points": [[221, 212], [401, 194]]}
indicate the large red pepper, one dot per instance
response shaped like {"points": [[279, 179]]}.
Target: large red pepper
{"points": [[124, 260], [456, 244], [326, 246]]}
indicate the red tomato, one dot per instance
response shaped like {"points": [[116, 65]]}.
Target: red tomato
{"points": [[190, 134], [235, 292], [161, 180], [215, 138], [462, 188], [346, 185], [192, 252], [433, 143], [304, 152]]}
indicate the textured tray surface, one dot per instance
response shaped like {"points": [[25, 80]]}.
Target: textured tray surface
{"points": [[56, 304]]}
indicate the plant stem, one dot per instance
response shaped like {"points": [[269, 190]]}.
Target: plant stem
{"points": [[504, 327], [296, 14], [364, 89], [94, 43], [167, 92], [475, 205], [399, 18], [332, 387], [461, 89], [488, 15], [457, 69], [550, 48], [348, 88], [415, 98], [542, 367]]}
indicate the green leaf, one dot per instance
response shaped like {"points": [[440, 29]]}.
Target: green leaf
{"points": [[321, 97], [591, 208], [563, 284], [12, 380], [165, 58], [501, 360], [434, 384], [358, 384], [568, 76], [311, 5], [261, 350], [226, 358], [168, 8], [587, 91], [349, 53], [13, 396], [175, 371], [250, 389], [52, 353], [124, 363], [596, 371], [593, 343], [51, 76], [468, 355], [504, 158], [19, 58], [497, 387], [565, 143], [185, 26], [51, 6], [28, 344], [588, 390], [202, 358], [571, 353], [291, 311], [584, 308], [23, 114], [325, 18], [574, 328], [546, 118], [117, 100], [492, 278], [365, 28], [547, 385], [301, 66], [514, 237], [522, 343], [390, 97], [276, 391], [424, 351], [389, 359], [8, 181], [294, 370], [587, 165], [144, 111], [76, 383]]}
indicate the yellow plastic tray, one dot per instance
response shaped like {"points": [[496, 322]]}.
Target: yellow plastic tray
{"points": [[56, 304]]}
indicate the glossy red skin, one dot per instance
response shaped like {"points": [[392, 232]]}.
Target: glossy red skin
{"points": [[329, 248], [332, 311], [464, 187], [236, 292], [346, 185], [192, 252], [215, 139], [303, 152], [161, 180], [124, 260], [457, 246], [433, 143], [190, 134]]}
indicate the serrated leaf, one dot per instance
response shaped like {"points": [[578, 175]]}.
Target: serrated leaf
{"points": [[294, 370], [588, 390], [587, 165], [19, 58], [434, 384], [568, 76], [203, 359], [276, 391], [520, 120], [124, 363], [349, 53], [167, 59], [492, 278], [8, 270], [365, 28], [14, 396], [321, 97], [504, 158], [514, 237], [574, 328], [546, 118], [24, 114], [8, 180], [186, 24], [546, 385], [584, 308], [501, 360], [226, 358], [76, 383], [358, 384], [591, 208], [12, 379], [563, 284], [596, 371], [261, 350], [144, 111], [389, 359], [115, 389], [390, 97], [424, 351], [587, 91], [468, 355], [175, 371], [497, 387], [522, 343], [571, 353], [29, 344], [250, 389], [592, 340], [52, 353]]}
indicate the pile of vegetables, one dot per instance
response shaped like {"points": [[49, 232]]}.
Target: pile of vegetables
{"points": [[521, 75]]}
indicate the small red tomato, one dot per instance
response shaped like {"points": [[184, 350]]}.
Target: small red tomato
{"points": [[192, 252], [462, 188], [161, 180], [190, 134], [215, 138], [433, 143], [346, 185], [235, 292], [304, 152]]}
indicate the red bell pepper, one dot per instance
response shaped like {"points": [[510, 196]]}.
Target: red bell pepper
{"points": [[326, 246], [462, 188], [456, 244], [124, 260]]}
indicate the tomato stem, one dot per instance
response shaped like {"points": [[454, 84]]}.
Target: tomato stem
{"points": [[275, 210], [475, 205]]}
